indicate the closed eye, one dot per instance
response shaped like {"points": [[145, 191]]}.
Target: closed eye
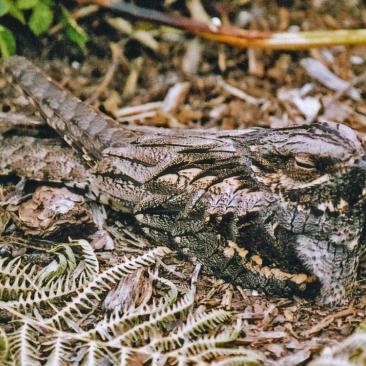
{"points": [[304, 163]]}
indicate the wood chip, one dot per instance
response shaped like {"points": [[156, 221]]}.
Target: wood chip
{"points": [[236, 92], [321, 73], [175, 97], [328, 320]]}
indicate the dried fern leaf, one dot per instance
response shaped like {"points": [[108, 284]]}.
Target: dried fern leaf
{"points": [[24, 345], [350, 352], [65, 262], [59, 352], [221, 352], [94, 355], [134, 336], [4, 345], [141, 331], [16, 279], [51, 293], [25, 287], [245, 360], [10, 268], [126, 356], [88, 297], [89, 260], [204, 345], [203, 322], [194, 326], [14, 288], [118, 321]]}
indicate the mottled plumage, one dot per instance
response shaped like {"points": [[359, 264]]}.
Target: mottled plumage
{"points": [[280, 210]]}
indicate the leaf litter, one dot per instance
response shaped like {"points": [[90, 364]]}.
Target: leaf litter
{"points": [[228, 88]]}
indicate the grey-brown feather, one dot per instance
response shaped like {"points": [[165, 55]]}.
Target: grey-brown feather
{"points": [[264, 208]]}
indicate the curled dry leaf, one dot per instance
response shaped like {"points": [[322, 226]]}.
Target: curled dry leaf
{"points": [[132, 291], [53, 211]]}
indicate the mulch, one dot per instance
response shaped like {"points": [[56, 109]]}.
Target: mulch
{"points": [[188, 83]]}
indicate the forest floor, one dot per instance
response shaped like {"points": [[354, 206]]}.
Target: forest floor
{"points": [[196, 83]]}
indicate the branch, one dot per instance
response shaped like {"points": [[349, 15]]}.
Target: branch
{"points": [[238, 37]]}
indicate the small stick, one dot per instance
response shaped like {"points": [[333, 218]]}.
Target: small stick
{"points": [[328, 320], [116, 55], [78, 14]]}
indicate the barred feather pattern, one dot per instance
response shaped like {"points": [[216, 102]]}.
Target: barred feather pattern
{"points": [[246, 203]]}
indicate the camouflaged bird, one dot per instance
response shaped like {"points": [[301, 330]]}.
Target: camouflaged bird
{"points": [[278, 210]]}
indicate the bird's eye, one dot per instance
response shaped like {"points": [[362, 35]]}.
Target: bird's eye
{"points": [[304, 163]]}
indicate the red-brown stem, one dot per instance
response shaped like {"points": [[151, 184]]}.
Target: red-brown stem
{"points": [[236, 36]]}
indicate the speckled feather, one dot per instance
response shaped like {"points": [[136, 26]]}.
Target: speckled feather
{"points": [[275, 210]]}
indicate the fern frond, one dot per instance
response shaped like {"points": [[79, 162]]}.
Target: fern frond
{"points": [[221, 352], [94, 355], [350, 351], [90, 296], [13, 288], [10, 268], [245, 360], [59, 352], [197, 324], [54, 283], [53, 292], [24, 345], [4, 345], [204, 345], [16, 279], [124, 337], [203, 322], [118, 321], [171, 296], [141, 330], [89, 260], [24, 287], [126, 356], [64, 263]]}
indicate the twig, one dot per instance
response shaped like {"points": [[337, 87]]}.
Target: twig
{"points": [[78, 14], [230, 89], [238, 37], [328, 320], [171, 269], [138, 109], [196, 271], [116, 55]]}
